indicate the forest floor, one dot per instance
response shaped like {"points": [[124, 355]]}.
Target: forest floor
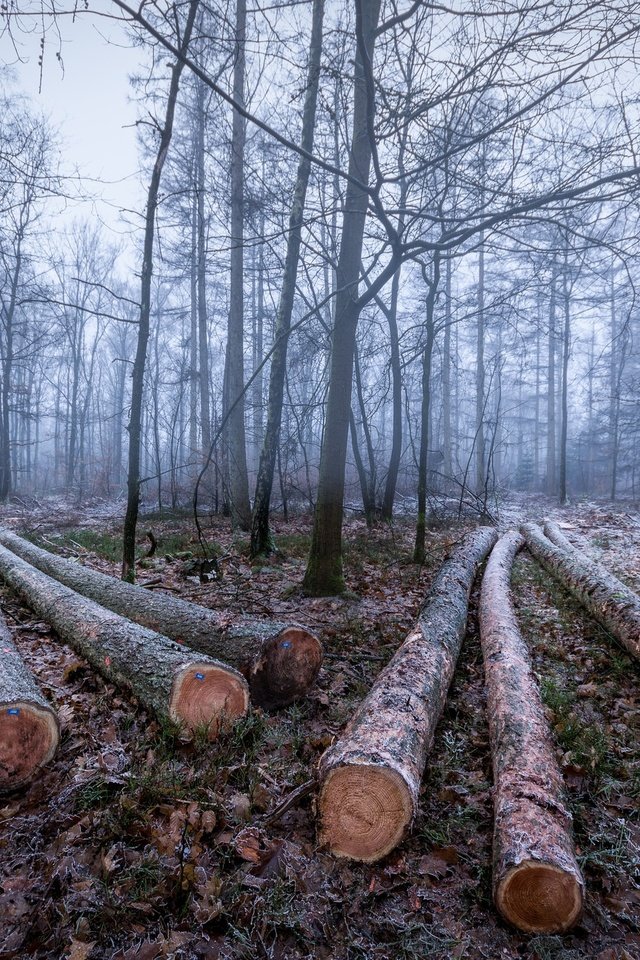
{"points": [[138, 843]]}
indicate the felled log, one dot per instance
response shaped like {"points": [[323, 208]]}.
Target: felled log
{"points": [[280, 661], [166, 677], [553, 532], [537, 883], [29, 729], [370, 777], [612, 604]]}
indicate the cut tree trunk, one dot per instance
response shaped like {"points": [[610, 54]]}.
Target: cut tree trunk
{"points": [[280, 661], [553, 532], [612, 604], [370, 777], [169, 679], [29, 730], [537, 884]]}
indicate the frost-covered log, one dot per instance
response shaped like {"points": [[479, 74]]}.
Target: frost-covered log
{"points": [[612, 604], [29, 729], [553, 532], [168, 678], [370, 777], [280, 661], [537, 884]]}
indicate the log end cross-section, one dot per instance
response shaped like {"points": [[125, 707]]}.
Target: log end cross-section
{"points": [[539, 897], [369, 778], [28, 739], [537, 883], [206, 694], [364, 811], [288, 665]]}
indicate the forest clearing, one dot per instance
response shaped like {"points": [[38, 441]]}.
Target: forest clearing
{"points": [[319, 479], [141, 840]]}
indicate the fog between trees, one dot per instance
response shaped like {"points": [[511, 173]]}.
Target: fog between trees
{"points": [[388, 254]]}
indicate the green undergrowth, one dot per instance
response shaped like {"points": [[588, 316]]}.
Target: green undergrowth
{"points": [[104, 544]]}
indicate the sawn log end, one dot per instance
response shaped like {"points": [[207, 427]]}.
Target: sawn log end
{"points": [[365, 811], [29, 737], [208, 695], [288, 666], [540, 898]]}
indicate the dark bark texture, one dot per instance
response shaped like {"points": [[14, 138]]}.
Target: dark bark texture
{"points": [[260, 535], [166, 677], [537, 884], [280, 661], [614, 606], [139, 364], [324, 574], [370, 777], [29, 729]]}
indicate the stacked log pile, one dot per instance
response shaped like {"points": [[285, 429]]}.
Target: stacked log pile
{"points": [[370, 777], [537, 884], [171, 680], [279, 661]]}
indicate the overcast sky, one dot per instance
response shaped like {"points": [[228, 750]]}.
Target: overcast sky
{"points": [[90, 105]]}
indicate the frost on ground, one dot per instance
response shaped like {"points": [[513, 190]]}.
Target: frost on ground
{"points": [[139, 843]]}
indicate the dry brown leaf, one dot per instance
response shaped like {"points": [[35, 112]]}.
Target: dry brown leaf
{"points": [[80, 950]]}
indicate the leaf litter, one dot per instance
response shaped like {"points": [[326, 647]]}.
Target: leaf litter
{"points": [[139, 842]]}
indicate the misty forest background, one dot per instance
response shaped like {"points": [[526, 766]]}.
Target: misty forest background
{"points": [[440, 204]]}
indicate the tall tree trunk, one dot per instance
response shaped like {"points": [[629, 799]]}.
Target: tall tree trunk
{"points": [[324, 570], [7, 370], [137, 381], [237, 478], [203, 336], [551, 388], [566, 343], [481, 469], [447, 465], [193, 316], [261, 541], [421, 525], [391, 314]]}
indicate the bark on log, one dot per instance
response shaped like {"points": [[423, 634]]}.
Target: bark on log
{"points": [[537, 883], [169, 679], [370, 777], [29, 729], [553, 532], [612, 604], [280, 661]]}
